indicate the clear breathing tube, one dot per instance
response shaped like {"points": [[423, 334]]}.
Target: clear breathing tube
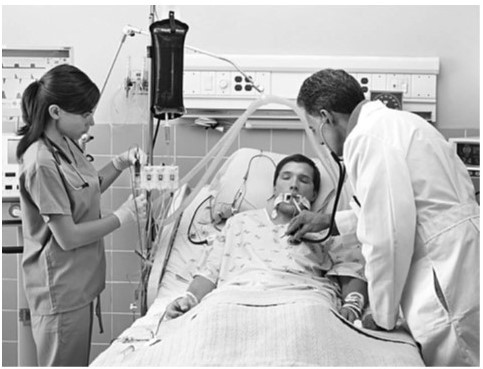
{"points": [[223, 145]]}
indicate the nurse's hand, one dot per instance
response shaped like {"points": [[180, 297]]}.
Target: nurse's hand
{"points": [[307, 222], [180, 306], [128, 158], [132, 209]]}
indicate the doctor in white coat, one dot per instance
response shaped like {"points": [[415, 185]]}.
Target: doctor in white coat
{"points": [[415, 213]]}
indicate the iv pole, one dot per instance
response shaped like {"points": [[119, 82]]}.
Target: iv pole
{"points": [[129, 30], [150, 153], [145, 270]]}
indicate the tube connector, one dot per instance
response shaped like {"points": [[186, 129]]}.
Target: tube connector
{"points": [[131, 31]]}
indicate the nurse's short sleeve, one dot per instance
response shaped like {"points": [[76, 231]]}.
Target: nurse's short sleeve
{"points": [[48, 192]]}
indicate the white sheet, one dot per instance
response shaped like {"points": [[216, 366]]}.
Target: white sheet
{"points": [[248, 329]]}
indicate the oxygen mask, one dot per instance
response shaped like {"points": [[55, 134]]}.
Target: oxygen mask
{"points": [[297, 203]]}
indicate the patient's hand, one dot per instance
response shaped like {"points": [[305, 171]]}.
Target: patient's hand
{"points": [[348, 314], [180, 306]]}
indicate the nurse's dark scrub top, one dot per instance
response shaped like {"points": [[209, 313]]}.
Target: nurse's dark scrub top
{"points": [[58, 280]]}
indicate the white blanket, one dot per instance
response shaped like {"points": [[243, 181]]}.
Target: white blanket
{"points": [[229, 329]]}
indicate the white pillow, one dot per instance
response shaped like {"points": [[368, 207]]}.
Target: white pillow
{"points": [[259, 184]]}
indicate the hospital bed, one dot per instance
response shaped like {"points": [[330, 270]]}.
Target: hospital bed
{"points": [[301, 330]]}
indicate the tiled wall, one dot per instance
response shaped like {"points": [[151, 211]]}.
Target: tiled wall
{"points": [[189, 144], [9, 297]]}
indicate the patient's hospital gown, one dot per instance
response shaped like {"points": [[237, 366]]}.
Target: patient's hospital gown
{"points": [[252, 253]]}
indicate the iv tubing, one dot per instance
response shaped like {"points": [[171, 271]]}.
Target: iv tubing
{"points": [[248, 78], [112, 65]]}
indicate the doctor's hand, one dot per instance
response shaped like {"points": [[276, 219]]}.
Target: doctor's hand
{"points": [[307, 222], [128, 158], [180, 306], [127, 211]]}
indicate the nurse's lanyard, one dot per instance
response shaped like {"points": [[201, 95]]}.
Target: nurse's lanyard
{"points": [[58, 153], [340, 183]]}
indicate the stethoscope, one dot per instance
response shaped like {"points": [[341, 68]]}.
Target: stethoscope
{"points": [[340, 184], [58, 153]]}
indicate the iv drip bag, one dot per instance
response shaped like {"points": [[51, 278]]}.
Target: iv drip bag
{"points": [[167, 53]]}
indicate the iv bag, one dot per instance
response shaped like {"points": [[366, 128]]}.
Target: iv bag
{"points": [[167, 39]]}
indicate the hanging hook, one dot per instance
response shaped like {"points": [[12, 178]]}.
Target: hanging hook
{"points": [[172, 23]]}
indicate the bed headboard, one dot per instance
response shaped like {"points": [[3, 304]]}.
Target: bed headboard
{"points": [[260, 167]]}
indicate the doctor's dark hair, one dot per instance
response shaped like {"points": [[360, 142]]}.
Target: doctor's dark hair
{"points": [[298, 158], [65, 86], [334, 90]]}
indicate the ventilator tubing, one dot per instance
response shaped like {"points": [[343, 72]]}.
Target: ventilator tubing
{"points": [[223, 145]]}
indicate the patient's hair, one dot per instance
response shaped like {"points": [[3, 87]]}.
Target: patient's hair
{"points": [[298, 158], [334, 90]]}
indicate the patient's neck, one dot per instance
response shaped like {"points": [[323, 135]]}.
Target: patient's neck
{"points": [[282, 216], [281, 219]]}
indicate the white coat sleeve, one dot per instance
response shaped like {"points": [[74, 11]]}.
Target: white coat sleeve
{"points": [[386, 221], [346, 221]]}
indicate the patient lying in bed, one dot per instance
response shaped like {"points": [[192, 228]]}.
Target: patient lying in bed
{"points": [[253, 253], [258, 300]]}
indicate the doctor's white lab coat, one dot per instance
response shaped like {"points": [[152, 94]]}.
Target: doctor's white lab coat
{"points": [[418, 223]]}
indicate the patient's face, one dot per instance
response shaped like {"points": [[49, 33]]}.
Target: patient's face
{"points": [[296, 178]]}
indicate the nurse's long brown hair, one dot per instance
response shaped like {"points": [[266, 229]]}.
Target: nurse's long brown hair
{"points": [[65, 86]]}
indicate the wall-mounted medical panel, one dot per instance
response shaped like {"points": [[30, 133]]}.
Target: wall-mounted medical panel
{"points": [[22, 66], [214, 85]]}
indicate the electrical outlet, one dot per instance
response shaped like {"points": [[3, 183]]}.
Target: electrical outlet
{"points": [[240, 85], [365, 82]]}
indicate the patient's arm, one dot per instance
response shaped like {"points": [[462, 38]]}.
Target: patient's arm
{"points": [[198, 288], [351, 284], [348, 285]]}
